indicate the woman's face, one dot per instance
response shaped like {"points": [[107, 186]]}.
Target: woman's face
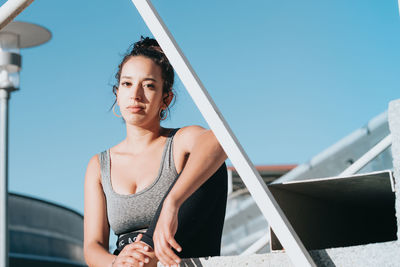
{"points": [[140, 91]]}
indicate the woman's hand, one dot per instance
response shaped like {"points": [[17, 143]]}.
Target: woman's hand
{"points": [[164, 233], [135, 254]]}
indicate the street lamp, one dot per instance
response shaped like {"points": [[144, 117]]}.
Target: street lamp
{"points": [[14, 36]]}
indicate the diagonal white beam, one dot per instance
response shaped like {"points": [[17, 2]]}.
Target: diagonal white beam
{"points": [[257, 246], [398, 3], [261, 194], [367, 157], [10, 9]]}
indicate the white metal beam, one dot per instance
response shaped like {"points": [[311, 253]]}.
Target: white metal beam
{"points": [[4, 234], [257, 246], [10, 9], [252, 179], [230, 182], [367, 157], [398, 3]]}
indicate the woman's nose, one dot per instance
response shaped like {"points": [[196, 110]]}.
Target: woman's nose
{"points": [[136, 92]]}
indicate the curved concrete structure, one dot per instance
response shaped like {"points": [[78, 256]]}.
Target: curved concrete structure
{"points": [[43, 233]]}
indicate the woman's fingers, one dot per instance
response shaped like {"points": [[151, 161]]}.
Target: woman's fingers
{"points": [[139, 236], [140, 256], [136, 246], [128, 261], [145, 246], [134, 254], [134, 250], [165, 254], [171, 242], [164, 259], [134, 259], [175, 245]]}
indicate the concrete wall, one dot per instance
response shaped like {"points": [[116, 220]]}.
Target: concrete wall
{"points": [[394, 125]]}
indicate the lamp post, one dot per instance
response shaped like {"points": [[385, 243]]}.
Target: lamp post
{"points": [[14, 36]]}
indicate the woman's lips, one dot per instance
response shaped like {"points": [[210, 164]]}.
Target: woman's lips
{"points": [[135, 109]]}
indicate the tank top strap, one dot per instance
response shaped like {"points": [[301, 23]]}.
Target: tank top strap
{"points": [[104, 159], [169, 157]]}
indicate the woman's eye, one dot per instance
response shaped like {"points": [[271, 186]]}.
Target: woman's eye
{"points": [[149, 85], [126, 83]]}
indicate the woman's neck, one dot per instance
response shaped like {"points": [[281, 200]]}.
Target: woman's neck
{"points": [[138, 138]]}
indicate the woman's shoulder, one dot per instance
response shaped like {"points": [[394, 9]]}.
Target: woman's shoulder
{"points": [[191, 131], [187, 135], [94, 161], [93, 168]]}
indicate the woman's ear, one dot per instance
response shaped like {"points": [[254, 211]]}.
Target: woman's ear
{"points": [[116, 96], [168, 98]]}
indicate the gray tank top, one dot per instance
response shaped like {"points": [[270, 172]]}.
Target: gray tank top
{"points": [[128, 213]]}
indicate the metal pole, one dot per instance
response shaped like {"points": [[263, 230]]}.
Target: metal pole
{"points": [[10, 9], [398, 5], [256, 246], [4, 237], [252, 179], [367, 157], [230, 182]]}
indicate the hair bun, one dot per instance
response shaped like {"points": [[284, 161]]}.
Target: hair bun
{"points": [[147, 43]]}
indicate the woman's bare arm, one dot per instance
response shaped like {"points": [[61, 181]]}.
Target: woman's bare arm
{"points": [[96, 227], [205, 157]]}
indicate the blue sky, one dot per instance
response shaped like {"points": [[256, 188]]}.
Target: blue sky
{"points": [[290, 77]]}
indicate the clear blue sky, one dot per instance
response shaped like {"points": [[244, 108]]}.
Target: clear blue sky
{"points": [[290, 77]]}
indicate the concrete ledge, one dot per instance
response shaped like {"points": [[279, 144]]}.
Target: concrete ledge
{"points": [[269, 259], [379, 254]]}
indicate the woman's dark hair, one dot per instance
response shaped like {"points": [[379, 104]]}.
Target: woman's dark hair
{"points": [[149, 47]]}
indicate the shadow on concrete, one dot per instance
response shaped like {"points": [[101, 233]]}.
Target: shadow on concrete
{"points": [[194, 262], [321, 258]]}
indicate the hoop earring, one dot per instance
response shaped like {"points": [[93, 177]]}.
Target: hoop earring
{"points": [[163, 116], [118, 116]]}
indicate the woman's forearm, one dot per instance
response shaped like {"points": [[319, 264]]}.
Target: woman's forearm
{"points": [[205, 159], [97, 256]]}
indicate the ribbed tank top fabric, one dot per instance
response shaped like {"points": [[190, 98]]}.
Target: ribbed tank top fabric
{"points": [[128, 213]]}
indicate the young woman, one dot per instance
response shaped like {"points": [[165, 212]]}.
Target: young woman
{"points": [[162, 191]]}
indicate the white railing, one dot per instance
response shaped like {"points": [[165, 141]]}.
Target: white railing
{"points": [[10, 9], [368, 157], [257, 246]]}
